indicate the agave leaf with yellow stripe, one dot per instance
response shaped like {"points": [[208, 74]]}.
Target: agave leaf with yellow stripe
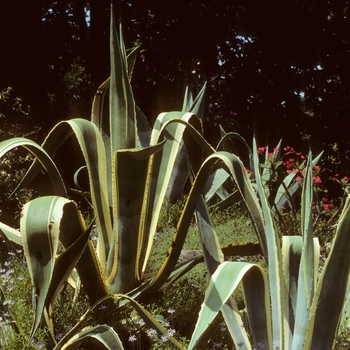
{"points": [[42, 156]]}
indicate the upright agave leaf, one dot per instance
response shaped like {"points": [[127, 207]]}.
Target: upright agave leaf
{"points": [[326, 309], [306, 281], [122, 106], [276, 282], [130, 207]]}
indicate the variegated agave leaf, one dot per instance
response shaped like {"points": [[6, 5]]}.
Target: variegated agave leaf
{"points": [[223, 283]]}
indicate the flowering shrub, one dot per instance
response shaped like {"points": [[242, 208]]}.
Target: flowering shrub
{"points": [[279, 164]]}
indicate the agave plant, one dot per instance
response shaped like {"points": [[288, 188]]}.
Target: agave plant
{"points": [[292, 305], [131, 168]]}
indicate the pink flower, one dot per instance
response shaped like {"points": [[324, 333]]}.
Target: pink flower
{"points": [[327, 207], [276, 150], [317, 179], [298, 178], [261, 150]]}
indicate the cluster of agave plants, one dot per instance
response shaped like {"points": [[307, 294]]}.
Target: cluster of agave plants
{"points": [[132, 169]]}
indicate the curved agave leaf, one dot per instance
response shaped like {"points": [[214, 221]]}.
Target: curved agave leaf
{"points": [[11, 234], [237, 170], [225, 144], [100, 337], [256, 291], [171, 127], [42, 156], [92, 147], [45, 221]]}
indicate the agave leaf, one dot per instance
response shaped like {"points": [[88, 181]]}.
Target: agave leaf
{"points": [[306, 281], [45, 220], [276, 282], [212, 253], [214, 257], [345, 319], [181, 269], [171, 127], [214, 184], [40, 232], [130, 59], [42, 156], [72, 233], [67, 261], [284, 197], [292, 247], [100, 337], [11, 234], [132, 168], [236, 168], [187, 101], [91, 145], [123, 131], [226, 144], [222, 284], [195, 106], [331, 288], [242, 249], [287, 191]]}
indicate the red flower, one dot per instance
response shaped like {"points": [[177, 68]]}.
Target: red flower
{"points": [[298, 178], [327, 207], [317, 179]]}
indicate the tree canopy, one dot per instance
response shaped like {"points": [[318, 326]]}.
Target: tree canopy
{"points": [[274, 69]]}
